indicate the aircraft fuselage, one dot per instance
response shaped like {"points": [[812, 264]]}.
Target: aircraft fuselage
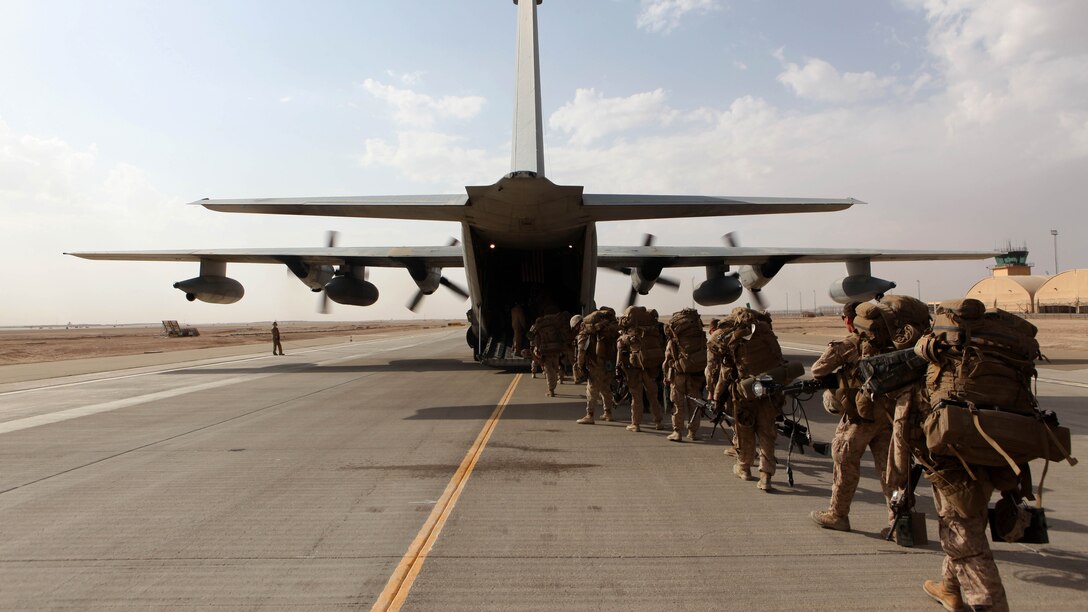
{"points": [[526, 241]]}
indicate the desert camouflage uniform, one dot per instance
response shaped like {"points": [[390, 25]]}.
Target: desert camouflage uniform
{"points": [[969, 562], [760, 416], [717, 381], [856, 432], [685, 415], [599, 379], [755, 420], [639, 381], [548, 360]]}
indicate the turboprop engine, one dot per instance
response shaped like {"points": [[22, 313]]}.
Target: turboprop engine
{"points": [[717, 288], [859, 285], [212, 286], [350, 287]]}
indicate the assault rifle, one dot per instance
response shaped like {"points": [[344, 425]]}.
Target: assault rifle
{"points": [[889, 372], [712, 413]]}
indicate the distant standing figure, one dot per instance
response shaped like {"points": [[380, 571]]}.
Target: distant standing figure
{"points": [[520, 325], [276, 346]]}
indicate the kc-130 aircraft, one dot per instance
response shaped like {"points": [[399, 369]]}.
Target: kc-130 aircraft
{"points": [[528, 240]]}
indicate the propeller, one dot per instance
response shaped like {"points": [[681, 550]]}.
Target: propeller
{"points": [[323, 302], [420, 273], [632, 296], [757, 298]]}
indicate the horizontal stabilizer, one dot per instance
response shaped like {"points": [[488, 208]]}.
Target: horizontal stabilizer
{"points": [[624, 207], [411, 207]]}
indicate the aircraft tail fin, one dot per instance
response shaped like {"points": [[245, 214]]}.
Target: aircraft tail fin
{"points": [[528, 154]]}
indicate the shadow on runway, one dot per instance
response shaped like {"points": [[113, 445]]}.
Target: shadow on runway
{"points": [[1050, 566], [403, 365], [1063, 525]]}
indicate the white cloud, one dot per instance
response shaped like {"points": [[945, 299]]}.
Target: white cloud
{"points": [[1010, 58], [665, 15], [420, 110], [591, 116], [819, 80], [433, 158]]}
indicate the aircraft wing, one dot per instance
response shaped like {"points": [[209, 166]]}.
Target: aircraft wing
{"points": [[412, 207], [683, 257], [624, 207], [382, 257]]}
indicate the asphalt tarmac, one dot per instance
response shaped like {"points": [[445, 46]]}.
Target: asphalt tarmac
{"points": [[393, 471]]}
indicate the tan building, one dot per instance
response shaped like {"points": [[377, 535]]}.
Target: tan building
{"points": [[1066, 292], [1009, 293], [1012, 287]]}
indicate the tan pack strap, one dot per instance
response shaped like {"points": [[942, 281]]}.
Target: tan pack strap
{"points": [[1039, 494], [993, 443], [966, 466], [1054, 438]]}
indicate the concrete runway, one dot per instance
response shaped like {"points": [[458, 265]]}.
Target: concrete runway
{"points": [[391, 470]]}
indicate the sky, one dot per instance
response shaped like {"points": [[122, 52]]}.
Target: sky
{"points": [[963, 125]]}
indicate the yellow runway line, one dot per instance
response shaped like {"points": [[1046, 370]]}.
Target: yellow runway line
{"points": [[400, 583]]}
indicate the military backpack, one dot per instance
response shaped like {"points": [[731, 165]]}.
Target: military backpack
{"points": [[983, 411], [685, 329]]}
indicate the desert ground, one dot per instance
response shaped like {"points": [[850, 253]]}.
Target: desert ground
{"points": [[39, 344], [1058, 333]]}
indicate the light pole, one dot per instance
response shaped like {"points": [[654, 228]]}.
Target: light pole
{"points": [[814, 300], [919, 289], [1055, 234]]}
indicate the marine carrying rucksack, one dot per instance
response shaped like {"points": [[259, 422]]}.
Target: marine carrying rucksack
{"points": [[685, 329]]}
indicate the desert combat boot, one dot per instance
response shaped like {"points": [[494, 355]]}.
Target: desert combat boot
{"points": [[945, 595], [830, 521], [764, 483]]}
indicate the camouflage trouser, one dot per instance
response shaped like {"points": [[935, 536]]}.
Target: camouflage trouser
{"points": [[640, 381], [551, 370], [847, 449], [764, 413], [598, 389], [968, 561], [684, 409]]}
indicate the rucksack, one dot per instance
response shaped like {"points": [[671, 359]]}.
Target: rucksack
{"points": [[753, 343], [979, 380], [647, 347], [550, 336], [685, 329], [985, 358], [909, 319], [601, 324]]}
